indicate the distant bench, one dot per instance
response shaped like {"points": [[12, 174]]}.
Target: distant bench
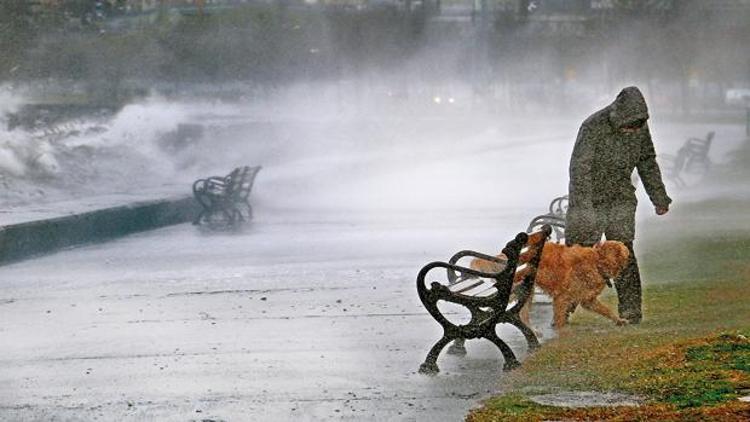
{"points": [[486, 295], [225, 199], [691, 158]]}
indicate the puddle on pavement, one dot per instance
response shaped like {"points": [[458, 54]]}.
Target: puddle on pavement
{"points": [[587, 399]]}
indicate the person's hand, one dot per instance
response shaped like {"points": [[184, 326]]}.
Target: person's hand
{"points": [[662, 210]]}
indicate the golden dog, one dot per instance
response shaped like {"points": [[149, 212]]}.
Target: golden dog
{"points": [[572, 276]]}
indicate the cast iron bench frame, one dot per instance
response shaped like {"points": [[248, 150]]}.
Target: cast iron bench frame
{"points": [[226, 196], [555, 218], [485, 295]]}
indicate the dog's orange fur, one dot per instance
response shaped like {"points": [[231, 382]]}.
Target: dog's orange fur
{"points": [[576, 275], [486, 266], [572, 276]]}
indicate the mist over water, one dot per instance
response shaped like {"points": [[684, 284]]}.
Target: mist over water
{"points": [[322, 149]]}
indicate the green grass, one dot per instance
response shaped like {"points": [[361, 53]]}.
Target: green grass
{"points": [[701, 375], [690, 357]]}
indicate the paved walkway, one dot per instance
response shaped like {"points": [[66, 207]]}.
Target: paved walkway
{"points": [[294, 318]]}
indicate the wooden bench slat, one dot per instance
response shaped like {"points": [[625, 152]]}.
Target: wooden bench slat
{"points": [[479, 289], [487, 292], [475, 287], [465, 285]]}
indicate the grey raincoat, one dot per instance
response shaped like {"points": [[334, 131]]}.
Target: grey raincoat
{"points": [[601, 195]]}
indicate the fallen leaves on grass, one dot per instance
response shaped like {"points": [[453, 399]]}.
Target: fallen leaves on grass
{"points": [[696, 379]]}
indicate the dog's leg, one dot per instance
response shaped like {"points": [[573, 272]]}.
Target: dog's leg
{"points": [[601, 309], [525, 315], [525, 311], [559, 312]]}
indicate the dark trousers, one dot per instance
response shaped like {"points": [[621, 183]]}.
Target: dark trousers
{"points": [[628, 286], [615, 222]]}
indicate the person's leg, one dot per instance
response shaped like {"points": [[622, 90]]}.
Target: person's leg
{"points": [[628, 286], [621, 227], [584, 227]]}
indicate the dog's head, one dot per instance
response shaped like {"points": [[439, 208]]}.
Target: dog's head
{"points": [[613, 257]]}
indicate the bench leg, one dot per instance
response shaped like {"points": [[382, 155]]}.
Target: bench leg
{"points": [[237, 216], [510, 358], [229, 215], [198, 219], [430, 366], [457, 348], [531, 340], [249, 210]]}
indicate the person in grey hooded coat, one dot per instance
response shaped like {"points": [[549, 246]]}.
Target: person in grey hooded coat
{"points": [[612, 143]]}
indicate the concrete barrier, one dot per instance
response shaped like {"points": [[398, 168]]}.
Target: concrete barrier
{"points": [[33, 238]]}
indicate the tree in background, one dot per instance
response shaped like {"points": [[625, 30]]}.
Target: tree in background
{"points": [[17, 32]]}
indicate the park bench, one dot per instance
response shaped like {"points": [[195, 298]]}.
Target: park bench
{"points": [[691, 158], [486, 295], [555, 218], [224, 199]]}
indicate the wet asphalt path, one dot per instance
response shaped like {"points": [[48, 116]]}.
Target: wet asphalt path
{"points": [[294, 318]]}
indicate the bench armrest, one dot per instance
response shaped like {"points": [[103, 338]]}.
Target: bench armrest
{"points": [[461, 254], [443, 288], [459, 269], [202, 184], [559, 205], [436, 291], [553, 220], [452, 276]]}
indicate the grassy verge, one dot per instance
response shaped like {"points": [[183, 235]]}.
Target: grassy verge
{"points": [[690, 358]]}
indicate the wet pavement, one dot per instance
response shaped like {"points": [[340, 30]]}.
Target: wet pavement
{"points": [[291, 318], [587, 399]]}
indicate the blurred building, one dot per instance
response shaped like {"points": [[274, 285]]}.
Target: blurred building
{"points": [[684, 53]]}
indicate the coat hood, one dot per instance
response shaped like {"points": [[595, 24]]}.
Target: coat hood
{"points": [[628, 107]]}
